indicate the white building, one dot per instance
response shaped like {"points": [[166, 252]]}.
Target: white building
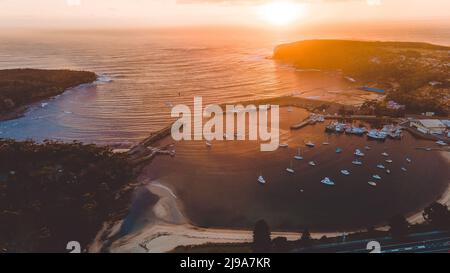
{"points": [[429, 126]]}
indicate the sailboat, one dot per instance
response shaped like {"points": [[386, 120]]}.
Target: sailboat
{"points": [[357, 162], [261, 179], [359, 153], [290, 169], [310, 144], [298, 156], [376, 176], [327, 181]]}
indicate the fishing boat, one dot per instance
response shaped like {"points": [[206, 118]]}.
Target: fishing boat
{"points": [[312, 163], [359, 153], [327, 181], [373, 184], [376, 176], [339, 150], [377, 135], [357, 162], [356, 131], [290, 169], [380, 166], [284, 145], [298, 156], [345, 172], [310, 144], [385, 154], [389, 161]]}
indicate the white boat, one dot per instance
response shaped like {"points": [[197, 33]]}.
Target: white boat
{"points": [[284, 145], [261, 180], [377, 135], [312, 163], [327, 181], [310, 144], [367, 148], [357, 162], [298, 156], [404, 169], [208, 144], [290, 169], [326, 143], [345, 172], [388, 171], [376, 176], [385, 154], [380, 166], [389, 161], [441, 143], [408, 160], [373, 184], [290, 109], [359, 153]]}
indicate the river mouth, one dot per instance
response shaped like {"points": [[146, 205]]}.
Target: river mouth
{"points": [[219, 189]]}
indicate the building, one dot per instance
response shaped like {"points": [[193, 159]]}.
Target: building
{"points": [[429, 126]]}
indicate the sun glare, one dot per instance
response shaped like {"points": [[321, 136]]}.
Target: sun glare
{"points": [[281, 13]]}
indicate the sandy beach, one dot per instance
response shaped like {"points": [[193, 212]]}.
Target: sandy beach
{"points": [[171, 229]]}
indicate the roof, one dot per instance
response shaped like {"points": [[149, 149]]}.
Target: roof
{"points": [[432, 123]]}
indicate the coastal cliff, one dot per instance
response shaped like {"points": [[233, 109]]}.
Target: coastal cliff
{"points": [[414, 74], [21, 87]]}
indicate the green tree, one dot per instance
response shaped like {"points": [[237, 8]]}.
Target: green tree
{"points": [[437, 215], [399, 227], [261, 237]]}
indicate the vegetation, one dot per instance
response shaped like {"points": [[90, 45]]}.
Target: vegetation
{"points": [[405, 70], [19, 87], [53, 193], [261, 237]]}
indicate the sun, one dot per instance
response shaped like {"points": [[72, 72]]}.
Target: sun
{"points": [[281, 13]]}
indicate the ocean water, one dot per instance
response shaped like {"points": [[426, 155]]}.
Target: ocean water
{"points": [[143, 72]]}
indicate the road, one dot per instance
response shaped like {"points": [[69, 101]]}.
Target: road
{"points": [[430, 242]]}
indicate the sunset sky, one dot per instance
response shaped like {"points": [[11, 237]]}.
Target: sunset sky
{"points": [[148, 13]]}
